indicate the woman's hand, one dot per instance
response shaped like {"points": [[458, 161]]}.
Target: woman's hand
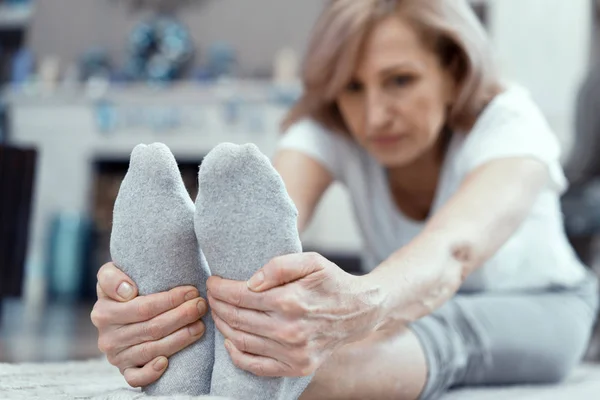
{"points": [[138, 333], [290, 323]]}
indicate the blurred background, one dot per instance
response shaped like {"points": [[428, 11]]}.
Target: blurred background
{"points": [[84, 81]]}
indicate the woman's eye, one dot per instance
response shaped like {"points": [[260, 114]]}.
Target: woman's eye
{"points": [[354, 87], [402, 80]]}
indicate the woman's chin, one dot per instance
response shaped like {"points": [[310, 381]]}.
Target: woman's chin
{"points": [[393, 159]]}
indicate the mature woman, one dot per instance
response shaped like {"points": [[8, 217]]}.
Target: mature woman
{"points": [[455, 181]]}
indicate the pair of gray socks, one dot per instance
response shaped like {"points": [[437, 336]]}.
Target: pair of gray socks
{"points": [[243, 217]]}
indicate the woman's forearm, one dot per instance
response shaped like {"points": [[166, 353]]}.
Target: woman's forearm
{"points": [[417, 279], [488, 208]]}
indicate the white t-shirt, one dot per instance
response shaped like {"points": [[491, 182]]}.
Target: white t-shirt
{"points": [[538, 255]]}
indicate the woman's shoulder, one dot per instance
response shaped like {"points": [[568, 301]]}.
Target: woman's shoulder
{"points": [[512, 125], [514, 105]]}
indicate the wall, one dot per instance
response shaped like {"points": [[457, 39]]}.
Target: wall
{"points": [[257, 28], [545, 45]]}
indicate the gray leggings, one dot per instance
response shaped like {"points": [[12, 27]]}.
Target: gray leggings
{"points": [[495, 339]]}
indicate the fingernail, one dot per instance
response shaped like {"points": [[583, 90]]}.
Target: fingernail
{"points": [[228, 344], [125, 290], [196, 329], [160, 364], [192, 294], [201, 307], [257, 280]]}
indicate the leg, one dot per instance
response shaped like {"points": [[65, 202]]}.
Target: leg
{"points": [[529, 338], [244, 218], [153, 241], [472, 340], [390, 364]]}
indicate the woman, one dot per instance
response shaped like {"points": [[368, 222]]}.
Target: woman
{"points": [[455, 181]]}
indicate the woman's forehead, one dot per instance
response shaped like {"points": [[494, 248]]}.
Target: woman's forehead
{"points": [[393, 44]]}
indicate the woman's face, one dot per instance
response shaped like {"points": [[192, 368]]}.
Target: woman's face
{"points": [[396, 104]]}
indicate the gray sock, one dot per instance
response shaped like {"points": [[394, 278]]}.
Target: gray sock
{"points": [[244, 218], [153, 241]]}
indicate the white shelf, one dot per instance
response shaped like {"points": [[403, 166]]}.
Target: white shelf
{"points": [[15, 16]]}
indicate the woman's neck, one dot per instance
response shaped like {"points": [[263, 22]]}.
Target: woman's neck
{"points": [[413, 187], [420, 175]]}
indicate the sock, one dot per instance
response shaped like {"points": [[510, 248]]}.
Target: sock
{"points": [[153, 241], [244, 218]]}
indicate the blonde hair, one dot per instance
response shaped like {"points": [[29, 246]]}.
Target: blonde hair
{"points": [[449, 27]]}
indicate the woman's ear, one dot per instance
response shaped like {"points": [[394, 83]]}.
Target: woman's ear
{"points": [[453, 73]]}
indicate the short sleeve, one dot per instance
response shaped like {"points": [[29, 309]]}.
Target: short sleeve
{"points": [[324, 146], [513, 126]]}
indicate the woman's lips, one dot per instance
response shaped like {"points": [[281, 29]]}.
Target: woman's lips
{"points": [[386, 140]]}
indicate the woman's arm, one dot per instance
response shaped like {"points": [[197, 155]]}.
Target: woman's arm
{"points": [[305, 180], [488, 208], [298, 309]]}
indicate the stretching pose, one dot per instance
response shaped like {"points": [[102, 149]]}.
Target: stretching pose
{"points": [[455, 181]]}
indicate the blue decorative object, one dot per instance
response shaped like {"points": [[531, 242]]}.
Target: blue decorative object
{"points": [[160, 49], [93, 63], [222, 59], [106, 116], [69, 235], [22, 66]]}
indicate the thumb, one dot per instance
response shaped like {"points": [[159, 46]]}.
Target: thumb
{"points": [[285, 269], [115, 284]]}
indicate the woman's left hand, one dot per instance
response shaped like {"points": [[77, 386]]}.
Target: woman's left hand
{"points": [[304, 309]]}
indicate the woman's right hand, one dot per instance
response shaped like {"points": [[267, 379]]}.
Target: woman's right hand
{"points": [[138, 333]]}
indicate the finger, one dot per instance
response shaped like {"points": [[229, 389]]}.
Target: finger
{"points": [[143, 353], [144, 308], [285, 269], [249, 343], [236, 293], [242, 319], [149, 373], [258, 365], [162, 325], [115, 284]]}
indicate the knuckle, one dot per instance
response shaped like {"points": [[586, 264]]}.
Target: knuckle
{"points": [[144, 309], [173, 299], [103, 272], [303, 363], [233, 318], [314, 259], [99, 318], [286, 302], [293, 335], [236, 360], [105, 344], [146, 352], [284, 335], [190, 313], [113, 359], [307, 371], [277, 269], [237, 297], [153, 331], [241, 342]]}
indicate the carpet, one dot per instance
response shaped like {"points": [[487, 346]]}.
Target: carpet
{"points": [[98, 380]]}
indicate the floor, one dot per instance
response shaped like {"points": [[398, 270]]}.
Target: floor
{"points": [[57, 332]]}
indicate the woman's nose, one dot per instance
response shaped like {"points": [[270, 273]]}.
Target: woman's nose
{"points": [[378, 115]]}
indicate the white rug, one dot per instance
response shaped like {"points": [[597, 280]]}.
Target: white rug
{"points": [[98, 380]]}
